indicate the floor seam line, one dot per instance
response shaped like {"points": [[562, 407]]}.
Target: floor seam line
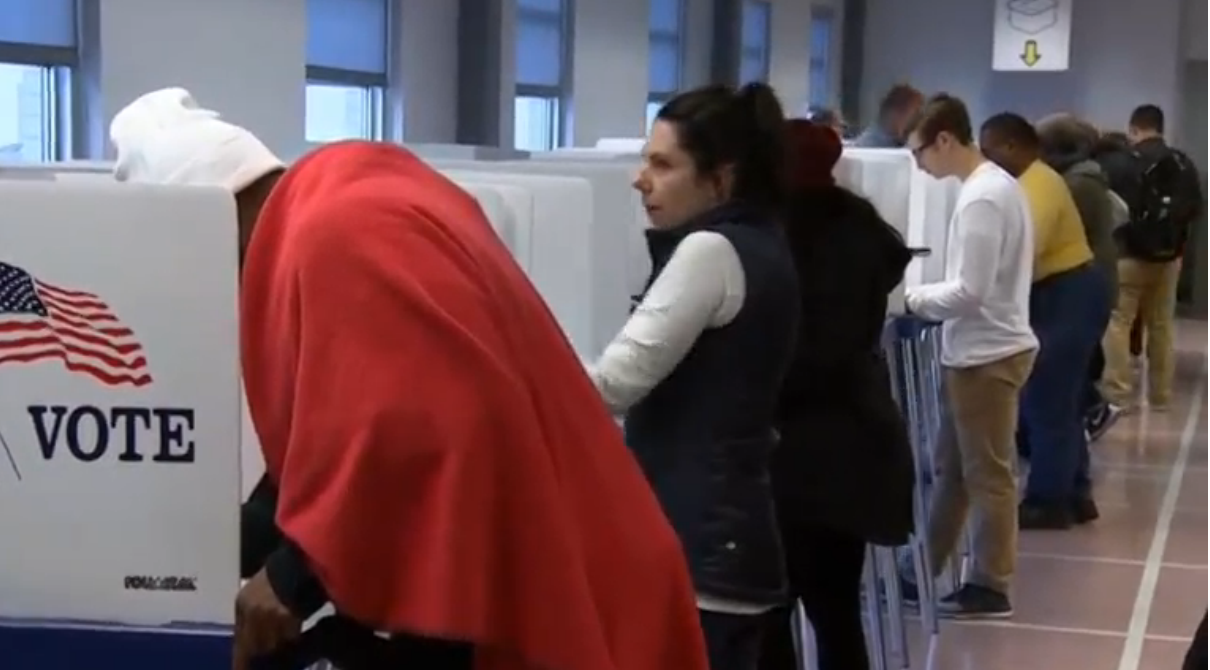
{"points": [[1132, 650]]}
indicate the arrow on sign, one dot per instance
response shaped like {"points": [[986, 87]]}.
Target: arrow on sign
{"points": [[1030, 55]]}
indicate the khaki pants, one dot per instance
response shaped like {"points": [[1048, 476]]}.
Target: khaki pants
{"points": [[976, 461], [1148, 291]]}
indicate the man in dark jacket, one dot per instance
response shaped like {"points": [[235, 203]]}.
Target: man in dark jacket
{"points": [[1147, 282], [1112, 152], [1067, 147]]}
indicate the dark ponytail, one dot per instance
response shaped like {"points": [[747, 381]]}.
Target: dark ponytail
{"points": [[760, 171], [719, 126]]}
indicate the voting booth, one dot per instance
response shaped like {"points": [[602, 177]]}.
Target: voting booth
{"points": [[119, 407], [917, 205], [583, 247], [65, 171], [126, 444]]}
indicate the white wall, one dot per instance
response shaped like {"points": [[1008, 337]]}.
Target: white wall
{"points": [[427, 68], [1123, 53], [222, 51], [245, 58], [789, 66], [608, 63], [1194, 29], [609, 70], [610, 60]]}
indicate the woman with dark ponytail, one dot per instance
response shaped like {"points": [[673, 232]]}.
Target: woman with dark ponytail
{"points": [[697, 369], [843, 474]]}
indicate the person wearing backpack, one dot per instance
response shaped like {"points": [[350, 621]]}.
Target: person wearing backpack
{"points": [[1162, 188]]}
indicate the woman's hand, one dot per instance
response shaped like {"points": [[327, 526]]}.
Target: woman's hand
{"points": [[262, 623]]}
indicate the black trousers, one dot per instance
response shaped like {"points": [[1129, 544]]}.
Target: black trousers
{"points": [[732, 640], [825, 567]]}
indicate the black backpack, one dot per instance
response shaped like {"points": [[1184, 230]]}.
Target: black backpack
{"points": [[1167, 199]]}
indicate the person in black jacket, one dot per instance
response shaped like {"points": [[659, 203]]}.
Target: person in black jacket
{"points": [[1112, 152], [843, 474]]}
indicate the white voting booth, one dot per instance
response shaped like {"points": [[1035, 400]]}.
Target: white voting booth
{"points": [[917, 205], [592, 240], [103, 518], [557, 258], [67, 171], [119, 402]]}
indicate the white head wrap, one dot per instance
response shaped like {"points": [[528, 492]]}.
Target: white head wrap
{"points": [[165, 137]]}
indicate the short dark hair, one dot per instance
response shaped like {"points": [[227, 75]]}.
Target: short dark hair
{"points": [[1113, 140], [1147, 117], [1012, 127], [900, 98], [717, 125], [942, 113]]}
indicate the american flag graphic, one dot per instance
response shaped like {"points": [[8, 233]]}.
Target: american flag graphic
{"points": [[40, 322]]}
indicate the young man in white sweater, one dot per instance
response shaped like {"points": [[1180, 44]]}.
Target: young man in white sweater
{"points": [[987, 350]]}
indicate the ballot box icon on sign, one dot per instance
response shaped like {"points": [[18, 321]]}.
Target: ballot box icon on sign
{"points": [[1032, 16], [42, 322]]}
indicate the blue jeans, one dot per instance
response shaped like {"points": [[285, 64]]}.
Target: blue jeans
{"points": [[1069, 313]]}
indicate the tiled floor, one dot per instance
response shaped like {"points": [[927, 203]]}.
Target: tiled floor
{"points": [[1127, 592]]}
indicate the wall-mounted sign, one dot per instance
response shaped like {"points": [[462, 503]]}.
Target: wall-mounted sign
{"points": [[1032, 35]]}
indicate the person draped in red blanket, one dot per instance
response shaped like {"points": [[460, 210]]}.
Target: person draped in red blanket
{"points": [[444, 470]]}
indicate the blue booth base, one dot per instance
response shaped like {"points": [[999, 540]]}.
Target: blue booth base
{"points": [[56, 646]]}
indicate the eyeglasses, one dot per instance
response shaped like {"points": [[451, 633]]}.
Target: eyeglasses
{"points": [[917, 152]]}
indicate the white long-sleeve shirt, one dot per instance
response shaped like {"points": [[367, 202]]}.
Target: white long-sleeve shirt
{"points": [[984, 299], [701, 287]]}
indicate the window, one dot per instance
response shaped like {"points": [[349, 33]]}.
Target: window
{"points": [[37, 54], [653, 110], [665, 53], [823, 23], [340, 112], [754, 44], [348, 42], [537, 110], [536, 120]]}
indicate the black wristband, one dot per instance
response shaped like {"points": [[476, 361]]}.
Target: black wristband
{"points": [[293, 582]]}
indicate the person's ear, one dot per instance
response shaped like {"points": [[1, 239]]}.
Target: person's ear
{"points": [[723, 181]]}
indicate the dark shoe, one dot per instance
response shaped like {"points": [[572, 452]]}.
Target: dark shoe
{"points": [[1044, 516], [975, 602], [1084, 510], [1102, 420]]}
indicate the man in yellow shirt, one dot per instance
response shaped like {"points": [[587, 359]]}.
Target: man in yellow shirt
{"points": [[1069, 305]]}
